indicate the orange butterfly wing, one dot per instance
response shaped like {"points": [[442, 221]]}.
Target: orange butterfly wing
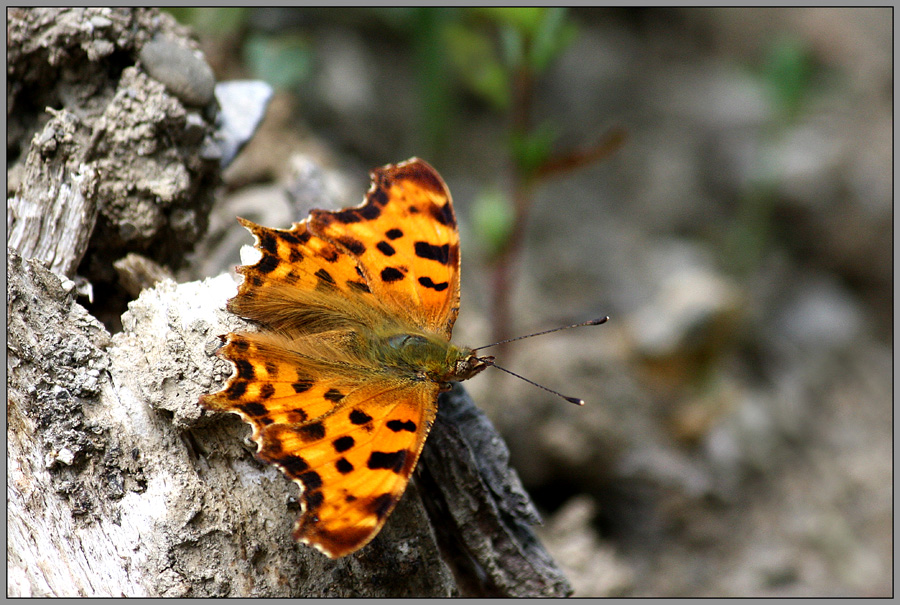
{"points": [[346, 429], [405, 238]]}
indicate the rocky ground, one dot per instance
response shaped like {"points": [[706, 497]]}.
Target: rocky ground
{"points": [[738, 432]]}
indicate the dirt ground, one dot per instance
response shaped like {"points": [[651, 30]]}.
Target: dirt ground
{"points": [[738, 432]]}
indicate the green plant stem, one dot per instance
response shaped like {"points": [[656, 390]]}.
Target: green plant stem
{"points": [[525, 176], [522, 186], [504, 265]]}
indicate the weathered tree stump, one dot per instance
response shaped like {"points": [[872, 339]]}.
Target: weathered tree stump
{"points": [[119, 484]]}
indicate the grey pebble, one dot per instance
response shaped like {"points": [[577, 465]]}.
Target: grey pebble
{"points": [[100, 21], [183, 73]]}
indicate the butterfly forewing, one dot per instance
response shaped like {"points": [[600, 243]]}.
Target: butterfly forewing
{"points": [[406, 240], [296, 276], [272, 384]]}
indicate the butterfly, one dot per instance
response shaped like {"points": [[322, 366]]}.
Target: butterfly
{"points": [[355, 309]]}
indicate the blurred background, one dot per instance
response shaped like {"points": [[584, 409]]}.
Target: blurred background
{"points": [[717, 181]]}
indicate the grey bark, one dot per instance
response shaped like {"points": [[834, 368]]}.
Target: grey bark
{"points": [[118, 483], [118, 475]]}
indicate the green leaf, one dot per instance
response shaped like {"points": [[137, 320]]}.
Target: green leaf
{"points": [[434, 73], [493, 219], [283, 61], [476, 63], [530, 150], [512, 47], [526, 19], [551, 38], [787, 73]]}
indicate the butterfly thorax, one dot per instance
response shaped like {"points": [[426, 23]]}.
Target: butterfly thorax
{"points": [[430, 357]]}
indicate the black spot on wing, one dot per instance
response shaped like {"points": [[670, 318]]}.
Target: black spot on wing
{"points": [[334, 395], [393, 234], [371, 211], [311, 480], [359, 417], [378, 196], [400, 425], [443, 214], [381, 505], [254, 409], [329, 254], [386, 249], [313, 500], [345, 216], [267, 242], [428, 251], [343, 466], [290, 237], [244, 369], [325, 276], [391, 274], [387, 460], [358, 286], [342, 444], [293, 465], [267, 264], [353, 245], [312, 432], [297, 416], [301, 386], [236, 390], [438, 287]]}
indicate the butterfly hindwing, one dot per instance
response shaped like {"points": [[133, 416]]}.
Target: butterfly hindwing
{"points": [[272, 384], [350, 444]]}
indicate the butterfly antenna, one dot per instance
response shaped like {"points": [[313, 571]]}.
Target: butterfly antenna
{"points": [[574, 400], [593, 322]]}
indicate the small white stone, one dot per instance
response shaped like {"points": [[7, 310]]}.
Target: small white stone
{"points": [[100, 21], [66, 456]]}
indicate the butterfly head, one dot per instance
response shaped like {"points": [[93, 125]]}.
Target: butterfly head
{"points": [[467, 364]]}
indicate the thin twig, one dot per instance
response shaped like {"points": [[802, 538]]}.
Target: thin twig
{"points": [[608, 144]]}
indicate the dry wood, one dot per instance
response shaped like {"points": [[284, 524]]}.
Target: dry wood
{"points": [[119, 484]]}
